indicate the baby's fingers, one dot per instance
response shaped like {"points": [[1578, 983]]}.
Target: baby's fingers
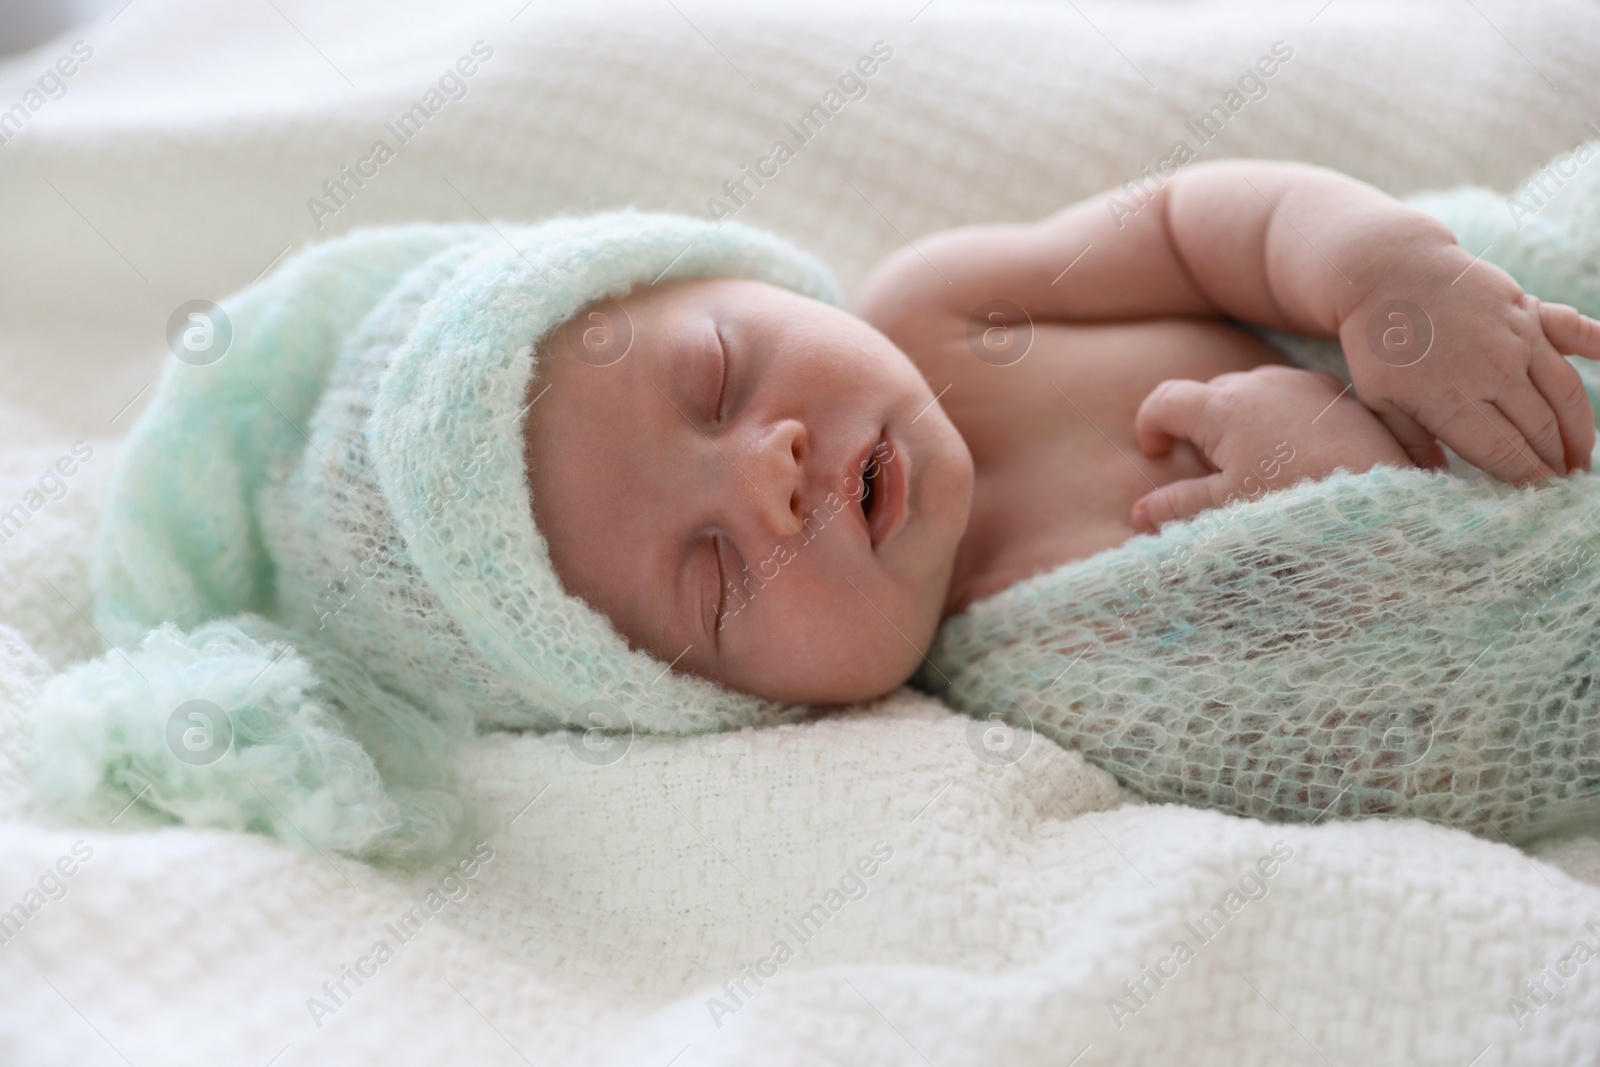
{"points": [[1569, 331], [1415, 438], [1562, 387], [1172, 410], [1482, 435], [1178, 500], [1527, 408]]}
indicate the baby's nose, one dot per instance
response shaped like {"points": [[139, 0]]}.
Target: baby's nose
{"points": [[779, 478]]}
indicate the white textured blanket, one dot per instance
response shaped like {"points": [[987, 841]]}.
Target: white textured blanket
{"points": [[873, 887]]}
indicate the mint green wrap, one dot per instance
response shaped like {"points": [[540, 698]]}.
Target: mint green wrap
{"points": [[1393, 643]]}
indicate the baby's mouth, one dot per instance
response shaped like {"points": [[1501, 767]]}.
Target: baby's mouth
{"points": [[885, 486], [881, 469]]}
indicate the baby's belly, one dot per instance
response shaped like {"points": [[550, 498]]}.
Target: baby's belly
{"points": [[1057, 481]]}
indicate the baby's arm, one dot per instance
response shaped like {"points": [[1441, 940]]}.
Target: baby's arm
{"points": [[1262, 429], [1298, 248]]}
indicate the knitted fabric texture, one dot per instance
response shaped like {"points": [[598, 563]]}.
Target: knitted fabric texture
{"points": [[328, 535], [1399, 642]]}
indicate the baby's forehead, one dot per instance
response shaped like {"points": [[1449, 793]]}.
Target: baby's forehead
{"points": [[668, 292], [725, 295], [603, 331], [653, 319], [657, 324]]}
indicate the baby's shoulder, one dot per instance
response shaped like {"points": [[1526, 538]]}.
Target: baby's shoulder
{"points": [[930, 325]]}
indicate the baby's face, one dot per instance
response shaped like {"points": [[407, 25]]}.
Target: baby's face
{"points": [[705, 491]]}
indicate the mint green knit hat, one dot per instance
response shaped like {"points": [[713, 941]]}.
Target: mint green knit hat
{"points": [[335, 515], [354, 467]]}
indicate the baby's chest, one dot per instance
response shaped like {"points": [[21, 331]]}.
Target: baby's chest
{"points": [[1057, 460]]}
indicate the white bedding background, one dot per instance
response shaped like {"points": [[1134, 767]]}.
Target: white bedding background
{"points": [[1017, 900]]}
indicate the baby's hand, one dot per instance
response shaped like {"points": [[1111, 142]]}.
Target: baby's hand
{"points": [[1261, 429], [1474, 361]]}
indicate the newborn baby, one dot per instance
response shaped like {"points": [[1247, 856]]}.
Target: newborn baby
{"points": [[639, 473], [751, 484]]}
